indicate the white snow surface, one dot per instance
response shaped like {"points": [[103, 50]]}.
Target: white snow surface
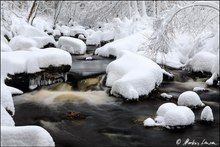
{"points": [[25, 136], [207, 114], [133, 75], [195, 89], [5, 47], [169, 114], [22, 43], [6, 98], [149, 122], [32, 61], [72, 45], [203, 61], [189, 98], [165, 95], [94, 39], [131, 43], [6, 119]]}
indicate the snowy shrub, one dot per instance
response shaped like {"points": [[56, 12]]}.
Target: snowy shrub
{"points": [[133, 75], [189, 98], [207, 114], [72, 45], [22, 43]]}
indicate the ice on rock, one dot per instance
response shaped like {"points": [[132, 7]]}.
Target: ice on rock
{"points": [[189, 98], [6, 119], [72, 45], [133, 75], [149, 122], [25, 136], [207, 114]]}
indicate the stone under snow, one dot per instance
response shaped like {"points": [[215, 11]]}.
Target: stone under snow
{"points": [[207, 114], [189, 98], [25, 136], [72, 45], [171, 115], [132, 75], [149, 122]]}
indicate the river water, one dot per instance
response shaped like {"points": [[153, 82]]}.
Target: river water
{"points": [[81, 113]]}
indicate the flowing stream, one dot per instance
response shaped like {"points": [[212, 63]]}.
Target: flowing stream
{"points": [[81, 113]]}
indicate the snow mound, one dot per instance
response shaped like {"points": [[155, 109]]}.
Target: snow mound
{"points": [[215, 71], [44, 40], [166, 96], [65, 30], [189, 98], [27, 30], [56, 32], [5, 47], [133, 75], [170, 115], [202, 61], [94, 38], [72, 45], [75, 31], [22, 43], [207, 114], [149, 122], [6, 119], [25, 136], [131, 43], [6, 98], [33, 61], [180, 116], [195, 89]]}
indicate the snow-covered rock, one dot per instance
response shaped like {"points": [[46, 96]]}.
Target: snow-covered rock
{"points": [[180, 116], [56, 32], [131, 43], [166, 96], [94, 38], [33, 61], [65, 30], [72, 45], [189, 98], [75, 31], [214, 71], [171, 115], [207, 114], [162, 110], [22, 43], [195, 89], [44, 41], [133, 75], [6, 119], [149, 122], [25, 136], [202, 61]]}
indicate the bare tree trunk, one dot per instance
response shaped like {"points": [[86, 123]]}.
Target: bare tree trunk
{"points": [[57, 11], [155, 8], [143, 9], [129, 8], [134, 4], [32, 11]]}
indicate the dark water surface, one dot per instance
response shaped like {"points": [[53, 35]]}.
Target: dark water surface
{"points": [[120, 123]]}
